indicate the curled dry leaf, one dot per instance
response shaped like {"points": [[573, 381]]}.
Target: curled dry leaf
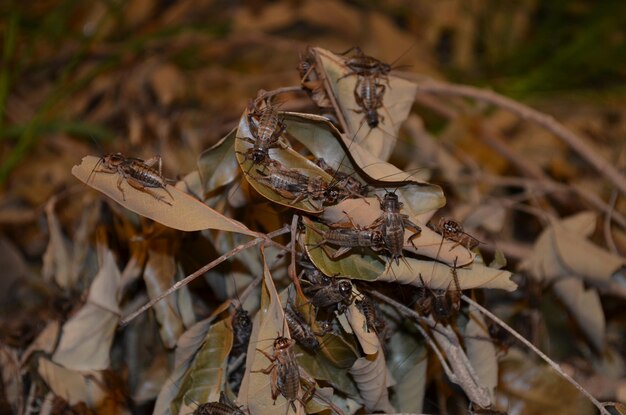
{"points": [[287, 157], [481, 351], [87, 337], [366, 265], [323, 140], [439, 276], [185, 213], [585, 306], [397, 100], [372, 379], [218, 165], [364, 212]]}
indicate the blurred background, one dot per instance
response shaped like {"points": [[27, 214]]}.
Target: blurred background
{"points": [[166, 77]]}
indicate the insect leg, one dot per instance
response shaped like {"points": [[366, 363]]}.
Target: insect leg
{"points": [[119, 186], [139, 186]]}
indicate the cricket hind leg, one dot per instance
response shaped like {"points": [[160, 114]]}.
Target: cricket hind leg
{"points": [[142, 188]]}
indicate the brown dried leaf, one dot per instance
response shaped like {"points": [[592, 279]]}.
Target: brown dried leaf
{"points": [[408, 361], [87, 337], [12, 386], [186, 213], [159, 275], [73, 386], [481, 351], [288, 158], [186, 348], [562, 251], [255, 391], [439, 276], [585, 306], [217, 165], [397, 101], [57, 260], [373, 378], [367, 339]]}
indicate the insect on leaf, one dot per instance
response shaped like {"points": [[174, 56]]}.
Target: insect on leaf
{"points": [[185, 213], [270, 320], [397, 100]]}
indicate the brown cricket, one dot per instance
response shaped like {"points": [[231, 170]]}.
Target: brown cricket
{"points": [[139, 174]]}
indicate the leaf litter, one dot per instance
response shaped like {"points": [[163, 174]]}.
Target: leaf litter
{"points": [[154, 103]]}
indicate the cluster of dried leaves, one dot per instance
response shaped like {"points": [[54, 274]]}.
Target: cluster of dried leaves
{"points": [[63, 350]]}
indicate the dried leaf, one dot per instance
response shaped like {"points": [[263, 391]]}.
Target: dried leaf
{"points": [[481, 351], [397, 101], [562, 251], [57, 260], [323, 140], [439, 276], [159, 275], [551, 393], [365, 265], [218, 165], [185, 213], [373, 378], [407, 360], [287, 157], [367, 339], [255, 391], [584, 258], [363, 212], [205, 377], [87, 337], [46, 341], [585, 306], [73, 386], [12, 386], [464, 373], [187, 346]]}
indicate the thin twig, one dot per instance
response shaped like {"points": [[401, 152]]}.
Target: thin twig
{"points": [[546, 121], [283, 90], [201, 271], [608, 236], [528, 344]]}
